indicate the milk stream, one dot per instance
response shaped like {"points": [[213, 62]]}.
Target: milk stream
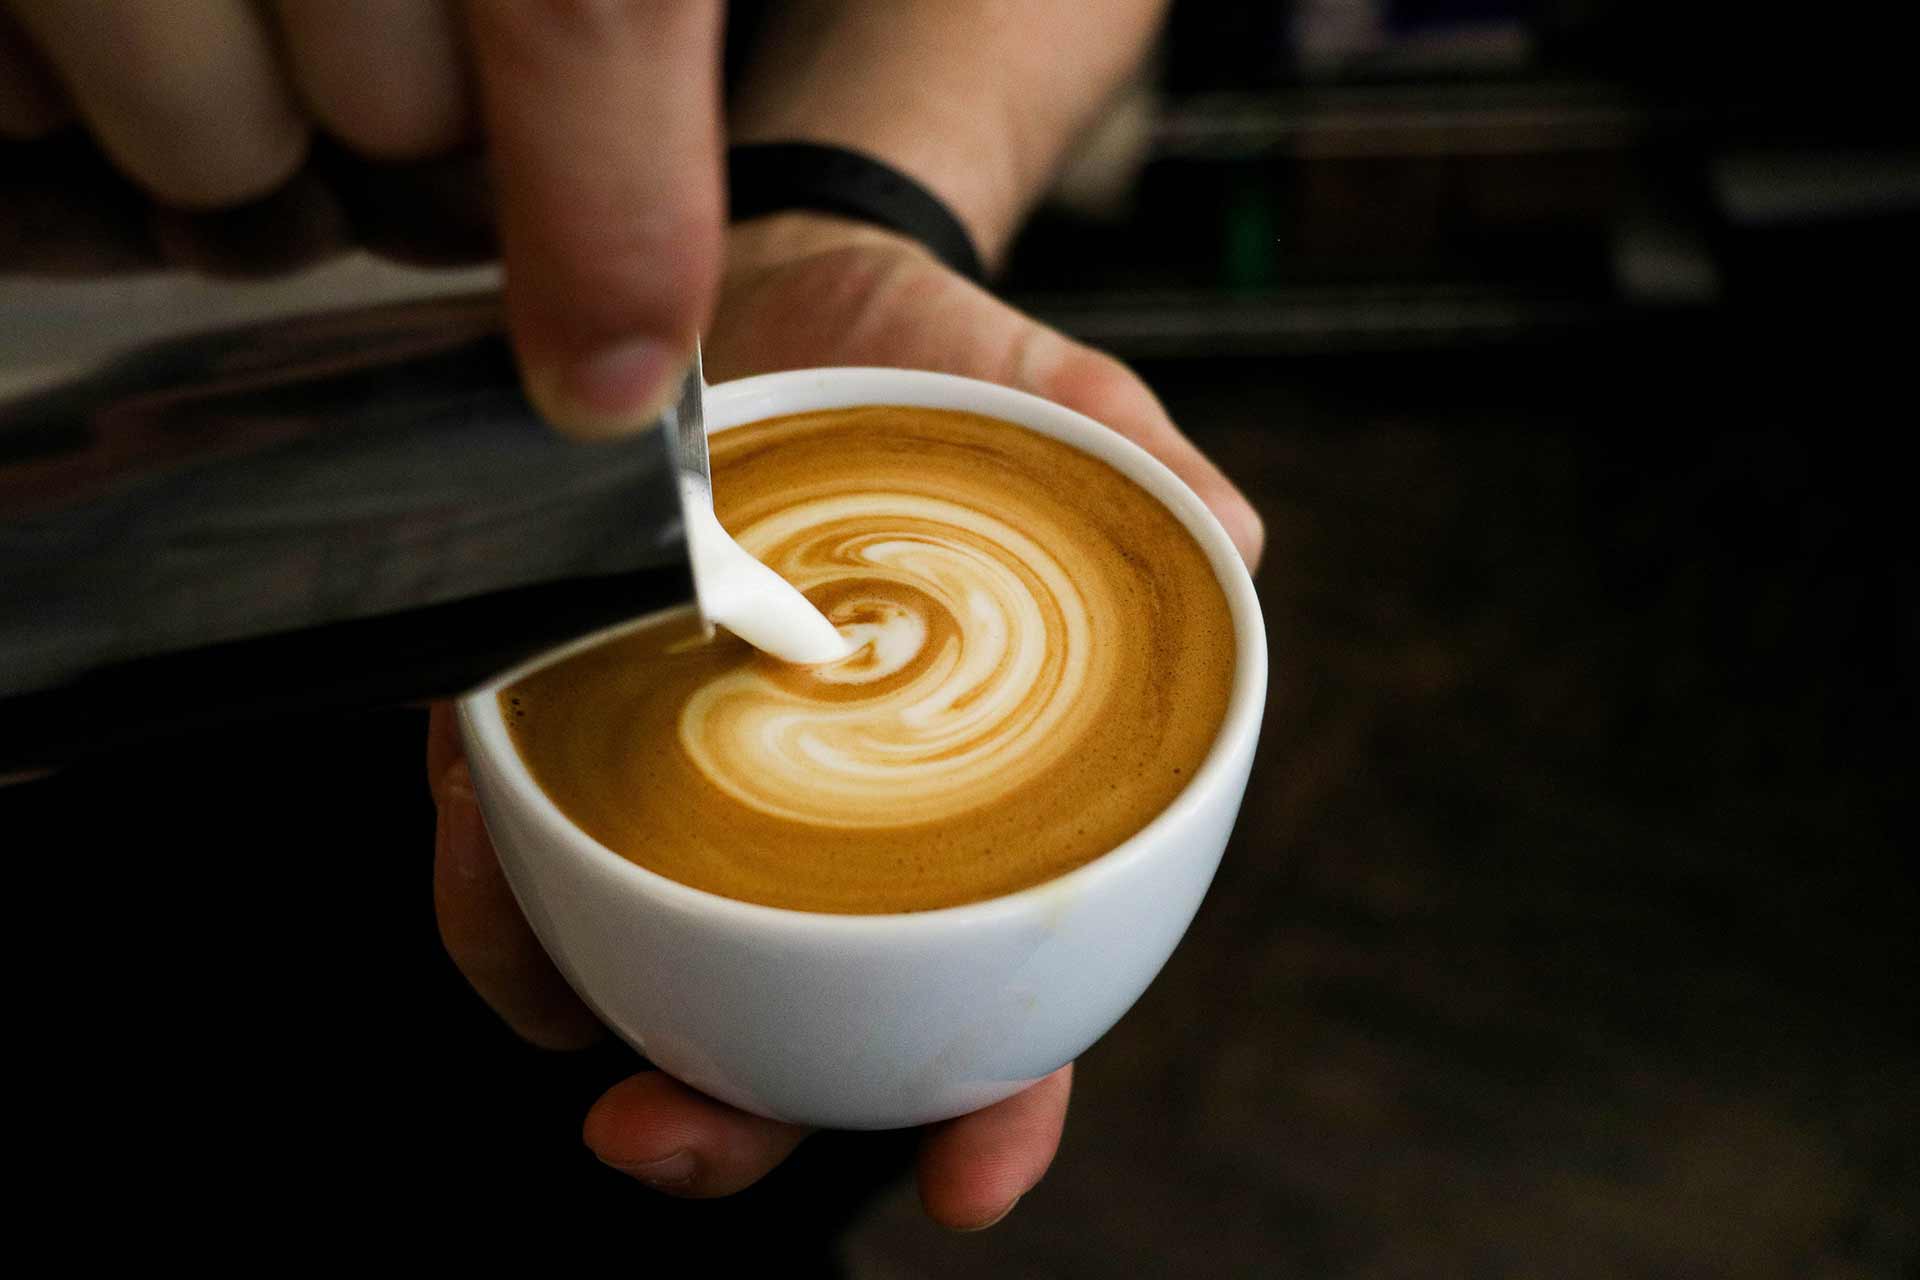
{"points": [[739, 593]]}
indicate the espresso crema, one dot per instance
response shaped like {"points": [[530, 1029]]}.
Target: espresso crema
{"points": [[1042, 658]]}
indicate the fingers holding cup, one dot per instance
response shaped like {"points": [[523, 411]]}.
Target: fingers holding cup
{"points": [[973, 1170], [481, 925], [658, 1131]]}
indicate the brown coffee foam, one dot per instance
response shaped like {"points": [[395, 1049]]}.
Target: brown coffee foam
{"points": [[1074, 658]]}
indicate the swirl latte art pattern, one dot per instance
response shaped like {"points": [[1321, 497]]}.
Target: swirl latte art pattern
{"points": [[1041, 659], [975, 665]]}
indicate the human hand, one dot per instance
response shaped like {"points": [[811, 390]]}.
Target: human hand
{"points": [[600, 121], [807, 291]]}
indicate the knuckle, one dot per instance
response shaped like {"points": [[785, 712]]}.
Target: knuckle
{"points": [[1091, 377]]}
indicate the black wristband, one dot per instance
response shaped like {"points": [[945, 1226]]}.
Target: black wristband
{"points": [[773, 177]]}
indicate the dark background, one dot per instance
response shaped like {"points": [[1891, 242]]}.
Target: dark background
{"points": [[1569, 926]]}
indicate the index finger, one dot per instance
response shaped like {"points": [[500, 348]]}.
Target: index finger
{"points": [[603, 129]]}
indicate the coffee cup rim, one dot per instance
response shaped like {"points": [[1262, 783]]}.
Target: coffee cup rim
{"points": [[753, 399]]}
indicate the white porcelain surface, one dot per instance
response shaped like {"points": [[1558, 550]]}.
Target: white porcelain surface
{"points": [[873, 1022]]}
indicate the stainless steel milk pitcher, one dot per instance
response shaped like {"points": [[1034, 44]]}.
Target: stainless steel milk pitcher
{"points": [[332, 512]]}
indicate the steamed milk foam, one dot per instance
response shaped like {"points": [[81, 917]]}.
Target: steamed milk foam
{"points": [[1041, 657]]}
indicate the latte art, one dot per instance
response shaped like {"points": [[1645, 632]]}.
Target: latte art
{"points": [[976, 666], [1040, 660]]}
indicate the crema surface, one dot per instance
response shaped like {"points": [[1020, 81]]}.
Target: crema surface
{"points": [[1042, 659]]}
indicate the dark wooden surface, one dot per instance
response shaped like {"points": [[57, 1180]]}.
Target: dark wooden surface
{"points": [[1567, 930]]}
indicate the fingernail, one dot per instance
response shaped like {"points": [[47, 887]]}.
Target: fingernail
{"points": [[995, 1220], [616, 389], [670, 1173]]}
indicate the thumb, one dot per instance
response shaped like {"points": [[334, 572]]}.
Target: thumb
{"points": [[603, 130], [1104, 389]]}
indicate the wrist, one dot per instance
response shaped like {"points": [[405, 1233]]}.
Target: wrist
{"points": [[979, 193], [975, 100], [915, 84], [777, 177]]}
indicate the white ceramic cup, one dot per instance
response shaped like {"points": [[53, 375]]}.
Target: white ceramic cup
{"points": [[879, 1021]]}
